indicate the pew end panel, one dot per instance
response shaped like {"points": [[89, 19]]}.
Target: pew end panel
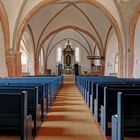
{"points": [[114, 127], [29, 127]]}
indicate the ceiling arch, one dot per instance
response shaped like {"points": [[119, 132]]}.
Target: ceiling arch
{"points": [[51, 21], [63, 9], [64, 28], [107, 37], [82, 36], [5, 28], [101, 6], [32, 36], [132, 28], [48, 53], [55, 45], [42, 4]]}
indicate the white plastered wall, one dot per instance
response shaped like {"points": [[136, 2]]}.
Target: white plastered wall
{"points": [[85, 63], [52, 61], [3, 68], [136, 72], [41, 62], [112, 48], [30, 51]]}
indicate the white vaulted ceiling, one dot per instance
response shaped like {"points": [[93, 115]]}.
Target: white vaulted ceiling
{"points": [[64, 17]]}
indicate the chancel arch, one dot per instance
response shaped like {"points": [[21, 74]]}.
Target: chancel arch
{"points": [[65, 28], [82, 39]]}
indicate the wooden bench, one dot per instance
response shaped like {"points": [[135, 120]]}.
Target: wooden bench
{"points": [[33, 107], [51, 85], [41, 95], [109, 106], [13, 114], [127, 120], [99, 98]]}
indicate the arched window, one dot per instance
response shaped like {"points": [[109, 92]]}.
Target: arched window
{"points": [[77, 54], [59, 54]]}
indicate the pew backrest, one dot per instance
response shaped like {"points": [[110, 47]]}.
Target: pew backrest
{"points": [[128, 113], [13, 112]]}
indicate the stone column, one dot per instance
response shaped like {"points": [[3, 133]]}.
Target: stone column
{"points": [[36, 67], [102, 67], [130, 63], [10, 62], [18, 64], [121, 66]]}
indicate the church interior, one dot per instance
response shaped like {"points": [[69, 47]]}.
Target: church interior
{"points": [[69, 70]]}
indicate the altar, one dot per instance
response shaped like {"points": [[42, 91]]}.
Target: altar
{"points": [[68, 59], [68, 65], [68, 71]]}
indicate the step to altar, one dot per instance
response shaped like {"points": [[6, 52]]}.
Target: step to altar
{"points": [[69, 78]]}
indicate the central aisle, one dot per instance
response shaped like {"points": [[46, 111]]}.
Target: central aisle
{"points": [[69, 118]]}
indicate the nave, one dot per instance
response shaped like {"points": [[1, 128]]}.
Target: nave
{"points": [[70, 118]]}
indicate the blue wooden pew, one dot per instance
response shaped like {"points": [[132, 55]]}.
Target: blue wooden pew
{"points": [[13, 114], [41, 94], [100, 93], [127, 120], [109, 106], [52, 84], [33, 107]]}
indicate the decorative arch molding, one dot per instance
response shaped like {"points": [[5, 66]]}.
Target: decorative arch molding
{"points": [[81, 11], [5, 28], [17, 21], [32, 36], [48, 53], [76, 32], [86, 41], [106, 41], [132, 29], [9, 56], [98, 5], [65, 28]]}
